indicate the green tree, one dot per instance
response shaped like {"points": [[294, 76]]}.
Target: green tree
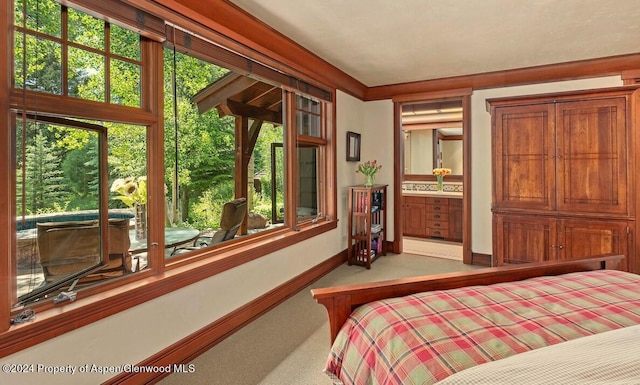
{"points": [[205, 142], [44, 180], [80, 167]]}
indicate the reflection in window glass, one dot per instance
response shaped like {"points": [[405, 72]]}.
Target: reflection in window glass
{"points": [[85, 29], [86, 75], [125, 83]]}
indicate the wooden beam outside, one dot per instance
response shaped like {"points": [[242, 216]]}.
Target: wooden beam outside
{"points": [[216, 93], [231, 107]]}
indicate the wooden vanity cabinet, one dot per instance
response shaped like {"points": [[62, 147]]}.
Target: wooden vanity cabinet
{"points": [[432, 217], [437, 212], [456, 215]]}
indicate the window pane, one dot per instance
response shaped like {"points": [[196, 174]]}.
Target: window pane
{"points": [[124, 42], [57, 203], [18, 50], [125, 83], [85, 29], [86, 75], [42, 15], [204, 153], [43, 61], [200, 151], [308, 117], [267, 168], [307, 182], [127, 162]]}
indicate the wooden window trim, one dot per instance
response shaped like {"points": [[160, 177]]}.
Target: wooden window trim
{"points": [[121, 14]]}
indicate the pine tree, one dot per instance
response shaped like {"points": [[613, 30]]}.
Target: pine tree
{"points": [[44, 181]]}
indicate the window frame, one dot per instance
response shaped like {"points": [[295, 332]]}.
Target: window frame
{"points": [[97, 302], [319, 143]]}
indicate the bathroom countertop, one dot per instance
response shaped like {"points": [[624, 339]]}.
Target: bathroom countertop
{"points": [[445, 194]]}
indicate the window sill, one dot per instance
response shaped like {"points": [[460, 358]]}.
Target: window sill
{"points": [[52, 321]]}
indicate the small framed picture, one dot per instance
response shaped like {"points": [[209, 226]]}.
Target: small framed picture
{"points": [[353, 147]]}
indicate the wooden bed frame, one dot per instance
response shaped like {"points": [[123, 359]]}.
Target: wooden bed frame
{"points": [[340, 301]]}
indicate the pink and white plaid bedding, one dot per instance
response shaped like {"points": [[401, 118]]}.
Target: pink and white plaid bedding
{"points": [[423, 338]]}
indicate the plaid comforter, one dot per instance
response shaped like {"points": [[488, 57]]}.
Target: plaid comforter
{"points": [[423, 338]]}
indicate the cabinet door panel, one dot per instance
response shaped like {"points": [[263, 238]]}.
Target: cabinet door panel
{"points": [[522, 239], [523, 156], [413, 216], [583, 238], [592, 156], [455, 221]]}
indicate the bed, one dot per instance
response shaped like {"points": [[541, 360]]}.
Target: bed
{"points": [[439, 328]]}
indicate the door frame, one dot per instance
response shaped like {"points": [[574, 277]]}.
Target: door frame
{"points": [[465, 96]]}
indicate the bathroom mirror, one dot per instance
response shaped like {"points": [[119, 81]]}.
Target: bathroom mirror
{"points": [[431, 148], [432, 137]]}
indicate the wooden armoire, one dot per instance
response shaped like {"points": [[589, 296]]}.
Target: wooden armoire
{"points": [[564, 176]]}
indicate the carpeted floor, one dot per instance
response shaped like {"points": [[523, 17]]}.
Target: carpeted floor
{"points": [[289, 344]]}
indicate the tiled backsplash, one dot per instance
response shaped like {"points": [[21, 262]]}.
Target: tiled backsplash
{"points": [[431, 186]]}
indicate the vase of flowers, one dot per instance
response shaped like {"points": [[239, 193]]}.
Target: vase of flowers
{"points": [[133, 193], [440, 173], [369, 170]]}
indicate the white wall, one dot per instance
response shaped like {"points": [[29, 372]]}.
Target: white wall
{"points": [[481, 225], [374, 122], [136, 334], [377, 143]]}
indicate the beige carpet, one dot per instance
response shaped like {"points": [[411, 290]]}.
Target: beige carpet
{"points": [[289, 344]]}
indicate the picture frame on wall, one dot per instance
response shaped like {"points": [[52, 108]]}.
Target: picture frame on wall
{"points": [[353, 147]]}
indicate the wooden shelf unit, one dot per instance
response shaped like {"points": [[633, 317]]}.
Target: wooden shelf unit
{"points": [[367, 224]]}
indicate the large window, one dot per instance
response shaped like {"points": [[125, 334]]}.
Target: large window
{"points": [[132, 156]]}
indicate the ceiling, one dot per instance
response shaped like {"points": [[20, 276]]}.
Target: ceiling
{"points": [[380, 42]]}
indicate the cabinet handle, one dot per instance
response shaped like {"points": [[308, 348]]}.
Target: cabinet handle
{"points": [[561, 247], [436, 208], [436, 224], [437, 216]]}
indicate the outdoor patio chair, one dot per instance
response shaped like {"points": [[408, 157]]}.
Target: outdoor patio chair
{"points": [[66, 248], [233, 214]]}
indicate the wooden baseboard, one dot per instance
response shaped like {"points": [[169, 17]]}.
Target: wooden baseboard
{"points": [[481, 259], [185, 350]]}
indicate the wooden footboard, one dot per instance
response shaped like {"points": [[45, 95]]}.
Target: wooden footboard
{"points": [[340, 301]]}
